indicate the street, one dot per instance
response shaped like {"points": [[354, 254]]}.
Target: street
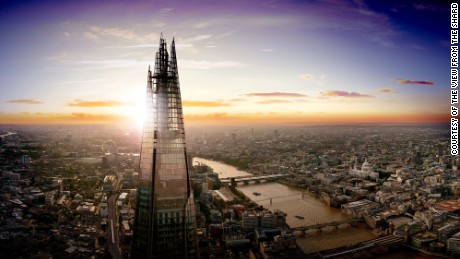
{"points": [[112, 230]]}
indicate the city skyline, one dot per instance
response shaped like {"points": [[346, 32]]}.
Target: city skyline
{"points": [[80, 62]]}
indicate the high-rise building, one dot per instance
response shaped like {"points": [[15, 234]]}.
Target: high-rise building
{"points": [[165, 213]]}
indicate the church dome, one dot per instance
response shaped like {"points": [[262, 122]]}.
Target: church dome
{"points": [[366, 166]]}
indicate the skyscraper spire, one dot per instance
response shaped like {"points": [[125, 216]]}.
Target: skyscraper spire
{"points": [[173, 61], [165, 212], [161, 62]]}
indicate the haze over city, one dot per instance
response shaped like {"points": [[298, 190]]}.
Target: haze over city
{"points": [[240, 62]]}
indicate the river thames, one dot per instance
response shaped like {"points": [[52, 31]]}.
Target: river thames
{"points": [[294, 201]]}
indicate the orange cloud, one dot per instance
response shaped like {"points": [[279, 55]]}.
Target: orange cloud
{"points": [[109, 103], [204, 103], [387, 90], [25, 101], [414, 82], [60, 118], [275, 94], [338, 93]]}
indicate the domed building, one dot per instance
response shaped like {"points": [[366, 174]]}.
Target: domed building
{"points": [[365, 172]]}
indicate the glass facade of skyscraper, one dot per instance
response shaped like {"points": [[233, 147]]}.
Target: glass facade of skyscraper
{"points": [[165, 212]]}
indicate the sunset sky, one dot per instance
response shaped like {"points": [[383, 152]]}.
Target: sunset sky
{"points": [[239, 61]]}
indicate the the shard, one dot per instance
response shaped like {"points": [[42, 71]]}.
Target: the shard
{"points": [[164, 224]]}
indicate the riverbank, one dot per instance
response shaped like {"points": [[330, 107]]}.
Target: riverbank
{"points": [[300, 202], [223, 170], [7, 134], [296, 202]]}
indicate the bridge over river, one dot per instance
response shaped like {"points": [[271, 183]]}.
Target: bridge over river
{"points": [[253, 178], [301, 196], [318, 227]]}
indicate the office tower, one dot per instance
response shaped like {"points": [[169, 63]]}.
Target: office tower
{"points": [[165, 214]]}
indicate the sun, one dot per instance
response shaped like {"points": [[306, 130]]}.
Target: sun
{"points": [[134, 111], [138, 115]]}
